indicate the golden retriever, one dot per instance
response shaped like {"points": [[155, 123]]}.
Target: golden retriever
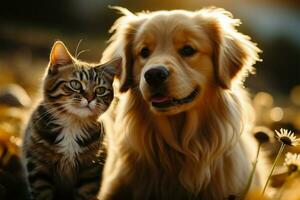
{"points": [[180, 129]]}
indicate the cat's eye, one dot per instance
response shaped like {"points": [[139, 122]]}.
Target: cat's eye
{"points": [[100, 90], [145, 52], [76, 85], [187, 50]]}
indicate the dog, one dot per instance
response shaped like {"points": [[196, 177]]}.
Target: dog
{"points": [[181, 126]]}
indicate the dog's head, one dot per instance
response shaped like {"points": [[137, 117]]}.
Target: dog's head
{"points": [[174, 57]]}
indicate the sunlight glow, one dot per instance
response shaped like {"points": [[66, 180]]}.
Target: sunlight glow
{"points": [[276, 114], [295, 95], [263, 99]]}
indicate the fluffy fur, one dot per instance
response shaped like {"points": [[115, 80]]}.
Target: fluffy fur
{"points": [[201, 149]]}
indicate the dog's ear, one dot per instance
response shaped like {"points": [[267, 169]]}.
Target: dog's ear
{"points": [[120, 44], [233, 53]]}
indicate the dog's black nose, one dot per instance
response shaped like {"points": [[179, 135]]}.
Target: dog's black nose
{"points": [[156, 76]]}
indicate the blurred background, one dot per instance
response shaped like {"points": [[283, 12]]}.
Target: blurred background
{"points": [[29, 28]]}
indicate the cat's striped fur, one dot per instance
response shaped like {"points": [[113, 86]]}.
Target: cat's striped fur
{"points": [[63, 147]]}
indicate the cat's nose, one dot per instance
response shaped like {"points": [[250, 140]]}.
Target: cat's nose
{"points": [[89, 98]]}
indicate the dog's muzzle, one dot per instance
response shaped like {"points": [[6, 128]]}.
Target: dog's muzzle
{"points": [[160, 101], [155, 77]]}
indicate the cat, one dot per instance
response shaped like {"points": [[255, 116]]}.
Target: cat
{"points": [[62, 152]]}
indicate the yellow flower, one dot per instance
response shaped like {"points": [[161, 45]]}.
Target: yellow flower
{"points": [[287, 137]]}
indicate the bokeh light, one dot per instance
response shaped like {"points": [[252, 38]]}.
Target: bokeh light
{"points": [[296, 121], [295, 95], [276, 114], [263, 99]]}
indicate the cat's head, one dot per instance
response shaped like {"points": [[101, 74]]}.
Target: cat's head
{"points": [[78, 88]]}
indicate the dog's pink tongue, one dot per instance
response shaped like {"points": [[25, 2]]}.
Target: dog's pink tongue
{"points": [[160, 99]]}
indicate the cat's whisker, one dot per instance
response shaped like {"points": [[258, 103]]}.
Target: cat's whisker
{"points": [[77, 48], [52, 112], [82, 51]]}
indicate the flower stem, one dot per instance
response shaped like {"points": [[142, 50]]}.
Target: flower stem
{"points": [[273, 166], [287, 184], [252, 172]]}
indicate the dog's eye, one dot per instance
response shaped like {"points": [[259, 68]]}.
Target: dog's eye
{"points": [[145, 52], [187, 51]]}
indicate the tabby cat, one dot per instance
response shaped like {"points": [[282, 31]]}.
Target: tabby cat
{"points": [[62, 143]]}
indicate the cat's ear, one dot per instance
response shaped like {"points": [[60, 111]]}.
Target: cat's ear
{"points": [[112, 67], [60, 55]]}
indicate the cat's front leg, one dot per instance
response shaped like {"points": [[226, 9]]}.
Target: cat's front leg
{"points": [[41, 184], [89, 183]]}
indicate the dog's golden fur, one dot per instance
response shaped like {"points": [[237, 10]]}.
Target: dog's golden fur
{"points": [[200, 149]]}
